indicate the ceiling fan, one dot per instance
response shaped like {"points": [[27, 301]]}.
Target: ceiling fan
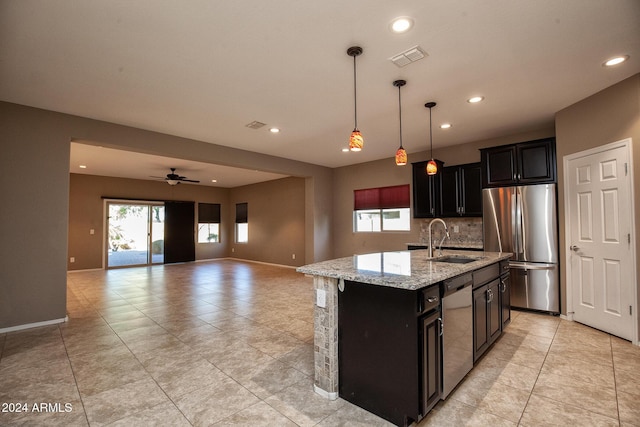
{"points": [[174, 179]]}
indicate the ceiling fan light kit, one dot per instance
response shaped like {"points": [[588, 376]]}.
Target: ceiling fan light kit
{"points": [[174, 179]]}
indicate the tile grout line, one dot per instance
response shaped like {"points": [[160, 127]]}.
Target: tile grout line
{"points": [[4, 340], [539, 372], [615, 382], [75, 380]]}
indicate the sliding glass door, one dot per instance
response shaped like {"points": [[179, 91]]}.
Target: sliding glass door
{"points": [[135, 233]]}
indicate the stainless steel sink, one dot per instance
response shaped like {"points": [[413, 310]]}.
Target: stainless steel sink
{"points": [[455, 259]]}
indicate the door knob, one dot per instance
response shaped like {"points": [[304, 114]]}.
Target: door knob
{"points": [[574, 248]]}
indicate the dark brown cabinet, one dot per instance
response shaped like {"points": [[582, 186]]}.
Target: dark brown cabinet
{"points": [[487, 317], [487, 309], [505, 293], [461, 190], [431, 341], [426, 191], [532, 162], [389, 344]]}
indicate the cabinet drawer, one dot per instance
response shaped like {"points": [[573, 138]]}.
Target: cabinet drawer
{"points": [[504, 267], [485, 274], [429, 299]]}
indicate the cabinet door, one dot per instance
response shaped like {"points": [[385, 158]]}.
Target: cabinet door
{"points": [[425, 191], [494, 311], [450, 191], [505, 299], [536, 162], [431, 364], [499, 166], [471, 189], [480, 336]]}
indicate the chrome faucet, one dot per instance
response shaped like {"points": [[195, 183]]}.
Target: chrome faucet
{"points": [[446, 234]]}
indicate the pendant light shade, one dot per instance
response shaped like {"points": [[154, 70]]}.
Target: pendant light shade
{"points": [[401, 153], [401, 157], [356, 141], [432, 167]]}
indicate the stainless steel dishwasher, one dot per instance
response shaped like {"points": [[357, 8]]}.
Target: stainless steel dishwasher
{"points": [[457, 325]]}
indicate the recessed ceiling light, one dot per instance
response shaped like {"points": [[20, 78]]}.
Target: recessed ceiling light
{"points": [[445, 126], [345, 150], [475, 99], [615, 61], [274, 130], [82, 166], [401, 24], [214, 180]]}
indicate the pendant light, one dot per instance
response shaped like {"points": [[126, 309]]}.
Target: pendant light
{"points": [[401, 154], [432, 167], [356, 141]]}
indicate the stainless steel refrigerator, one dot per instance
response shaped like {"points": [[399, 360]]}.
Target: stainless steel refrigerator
{"points": [[523, 220]]}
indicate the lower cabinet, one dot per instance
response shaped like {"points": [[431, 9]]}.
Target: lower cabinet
{"points": [[491, 308], [389, 350], [431, 342], [505, 294]]}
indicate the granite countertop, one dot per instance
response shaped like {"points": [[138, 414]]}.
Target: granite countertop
{"points": [[409, 270]]}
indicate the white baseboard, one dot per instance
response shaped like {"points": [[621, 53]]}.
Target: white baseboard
{"points": [[262, 262], [34, 325], [85, 270]]}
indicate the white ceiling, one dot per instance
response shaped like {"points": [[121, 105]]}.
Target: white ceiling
{"points": [[105, 161], [204, 69]]}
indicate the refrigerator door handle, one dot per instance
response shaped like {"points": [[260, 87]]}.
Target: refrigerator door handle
{"points": [[531, 266]]}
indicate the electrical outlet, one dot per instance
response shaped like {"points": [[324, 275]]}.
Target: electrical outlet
{"points": [[321, 298], [92, 231], [456, 229], [293, 256], [72, 259], [233, 249]]}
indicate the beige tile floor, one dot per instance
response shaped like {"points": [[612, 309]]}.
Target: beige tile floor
{"points": [[231, 343]]}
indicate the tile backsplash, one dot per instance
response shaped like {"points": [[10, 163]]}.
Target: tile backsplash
{"points": [[469, 231]]}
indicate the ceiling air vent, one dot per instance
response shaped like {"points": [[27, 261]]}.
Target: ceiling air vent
{"points": [[408, 56], [255, 125]]}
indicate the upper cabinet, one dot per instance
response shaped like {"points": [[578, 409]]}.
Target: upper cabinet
{"points": [[426, 191], [461, 190], [531, 162]]}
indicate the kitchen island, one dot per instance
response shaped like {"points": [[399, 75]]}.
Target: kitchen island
{"points": [[378, 329]]}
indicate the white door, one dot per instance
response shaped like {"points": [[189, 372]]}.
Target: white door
{"points": [[599, 216]]}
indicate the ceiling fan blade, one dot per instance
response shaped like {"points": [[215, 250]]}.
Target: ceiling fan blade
{"points": [[189, 180]]}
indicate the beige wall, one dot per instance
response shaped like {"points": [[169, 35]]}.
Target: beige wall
{"points": [[34, 160], [86, 204], [608, 116], [383, 173], [34, 219], [276, 212]]}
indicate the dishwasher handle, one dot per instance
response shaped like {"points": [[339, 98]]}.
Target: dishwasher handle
{"points": [[455, 284]]}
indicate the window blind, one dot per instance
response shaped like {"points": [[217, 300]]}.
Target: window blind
{"points": [[209, 212], [241, 213], [396, 196]]}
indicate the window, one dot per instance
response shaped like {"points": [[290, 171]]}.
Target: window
{"points": [[242, 225], [382, 209], [208, 222]]}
